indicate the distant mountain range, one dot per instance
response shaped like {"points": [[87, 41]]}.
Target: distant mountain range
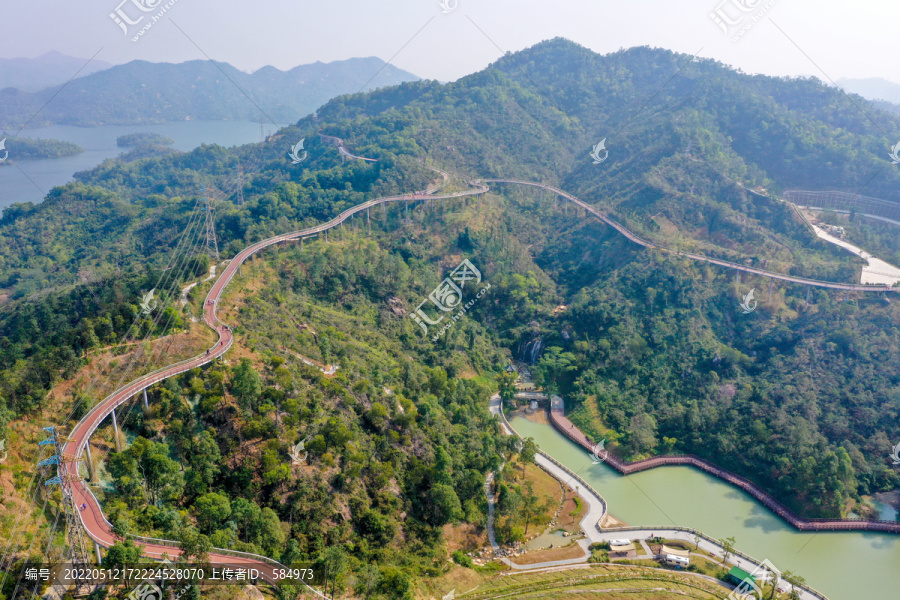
{"points": [[873, 88], [142, 92], [52, 68]]}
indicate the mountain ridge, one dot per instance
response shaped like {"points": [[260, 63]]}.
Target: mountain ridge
{"points": [[141, 92]]}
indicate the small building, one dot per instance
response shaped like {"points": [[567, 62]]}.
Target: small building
{"points": [[738, 576]]}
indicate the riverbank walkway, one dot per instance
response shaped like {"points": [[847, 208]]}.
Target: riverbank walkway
{"points": [[597, 508], [568, 429]]}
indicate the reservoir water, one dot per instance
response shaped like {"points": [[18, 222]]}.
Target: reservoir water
{"points": [[843, 566], [37, 177]]}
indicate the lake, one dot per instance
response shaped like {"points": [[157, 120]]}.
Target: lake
{"points": [[843, 566], [37, 177]]}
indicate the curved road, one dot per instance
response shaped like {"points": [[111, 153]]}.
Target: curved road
{"points": [[95, 523], [699, 257]]}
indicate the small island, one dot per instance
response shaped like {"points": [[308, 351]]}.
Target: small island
{"points": [[27, 148], [144, 137]]}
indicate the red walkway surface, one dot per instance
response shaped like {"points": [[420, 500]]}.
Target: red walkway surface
{"points": [[567, 428], [95, 523]]}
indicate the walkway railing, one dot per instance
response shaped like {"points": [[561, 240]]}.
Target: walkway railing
{"points": [[564, 426], [699, 257], [714, 542]]}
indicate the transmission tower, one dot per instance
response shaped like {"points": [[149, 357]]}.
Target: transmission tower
{"points": [[212, 246], [75, 541], [240, 185]]}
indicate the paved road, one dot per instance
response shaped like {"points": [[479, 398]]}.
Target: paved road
{"points": [[698, 257]]}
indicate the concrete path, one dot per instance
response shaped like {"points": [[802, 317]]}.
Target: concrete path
{"points": [[641, 535], [596, 510], [488, 492]]}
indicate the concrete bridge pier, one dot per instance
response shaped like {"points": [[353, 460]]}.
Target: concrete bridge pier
{"points": [[98, 552], [326, 235], [116, 432], [146, 402], [407, 212], [771, 283], [90, 463], [808, 290]]}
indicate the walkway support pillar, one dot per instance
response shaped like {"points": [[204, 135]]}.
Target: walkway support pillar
{"points": [[146, 402], [771, 283], [407, 211], [98, 552], [116, 431], [90, 462]]}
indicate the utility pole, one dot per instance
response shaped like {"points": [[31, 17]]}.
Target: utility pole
{"points": [[75, 538], [212, 246], [240, 184]]}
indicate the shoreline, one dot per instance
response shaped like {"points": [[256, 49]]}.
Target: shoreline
{"points": [[568, 429]]}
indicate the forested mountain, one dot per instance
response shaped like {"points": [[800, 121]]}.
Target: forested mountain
{"points": [[144, 92], [651, 350], [49, 69]]}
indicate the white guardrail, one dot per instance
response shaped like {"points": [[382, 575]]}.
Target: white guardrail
{"points": [[693, 532]]}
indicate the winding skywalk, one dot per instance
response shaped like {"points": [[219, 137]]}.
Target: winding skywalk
{"points": [[100, 530]]}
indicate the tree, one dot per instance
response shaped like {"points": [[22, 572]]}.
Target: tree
{"points": [[334, 560], [194, 544], [697, 538], [122, 553], [270, 533], [527, 453], [556, 369], [643, 433], [212, 510], [367, 580], [506, 382], [795, 581], [246, 384], [442, 505], [727, 548]]}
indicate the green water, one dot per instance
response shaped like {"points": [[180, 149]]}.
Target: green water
{"points": [[843, 566]]}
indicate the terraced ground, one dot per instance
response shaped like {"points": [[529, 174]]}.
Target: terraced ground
{"points": [[590, 582]]}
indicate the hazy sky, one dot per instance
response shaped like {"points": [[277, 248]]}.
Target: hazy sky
{"points": [[845, 39]]}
